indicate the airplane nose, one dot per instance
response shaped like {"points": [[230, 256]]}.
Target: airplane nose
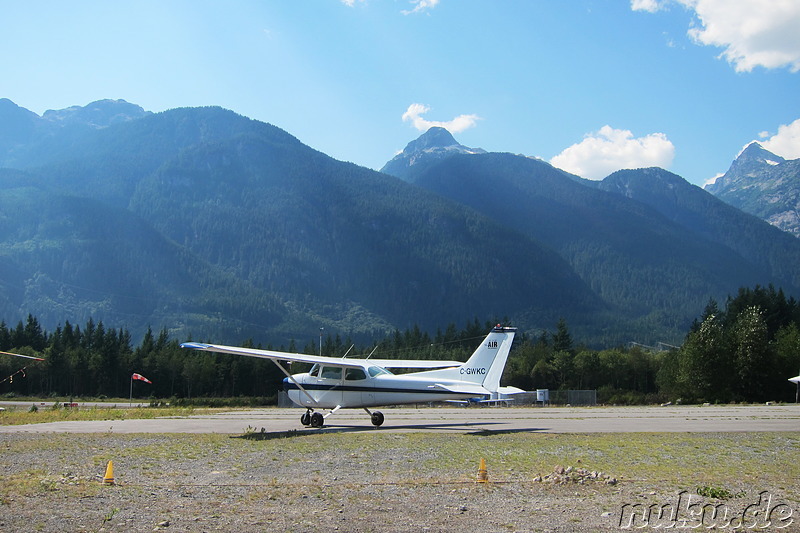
{"points": [[285, 384]]}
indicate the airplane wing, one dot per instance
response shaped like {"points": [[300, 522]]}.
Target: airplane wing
{"points": [[330, 361]]}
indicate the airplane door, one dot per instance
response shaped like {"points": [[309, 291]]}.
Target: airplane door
{"points": [[328, 386], [356, 387]]}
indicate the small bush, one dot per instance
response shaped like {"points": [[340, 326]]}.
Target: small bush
{"points": [[717, 493]]}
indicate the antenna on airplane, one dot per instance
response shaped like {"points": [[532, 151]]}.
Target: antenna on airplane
{"points": [[372, 352], [348, 351]]}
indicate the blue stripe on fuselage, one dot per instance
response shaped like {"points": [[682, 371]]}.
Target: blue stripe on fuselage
{"points": [[288, 385]]}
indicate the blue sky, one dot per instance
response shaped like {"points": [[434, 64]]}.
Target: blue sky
{"points": [[589, 85]]}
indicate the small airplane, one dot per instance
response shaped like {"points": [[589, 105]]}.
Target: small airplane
{"points": [[338, 382]]}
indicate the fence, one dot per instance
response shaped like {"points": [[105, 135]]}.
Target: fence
{"points": [[573, 397], [556, 397]]}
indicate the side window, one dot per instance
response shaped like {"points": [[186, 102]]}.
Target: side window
{"points": [[331, 372], [355, 374], [377, 371]]}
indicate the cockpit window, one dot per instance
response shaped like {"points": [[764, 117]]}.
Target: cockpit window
{"points": [[331, 372], [314, 370], [377, 371], [355, 374]]}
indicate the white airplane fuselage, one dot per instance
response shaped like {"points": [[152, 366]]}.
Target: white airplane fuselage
{"points": [[384, 389]]}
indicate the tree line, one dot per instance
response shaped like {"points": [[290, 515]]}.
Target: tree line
{"points": [[96, 361], [743, 352]]}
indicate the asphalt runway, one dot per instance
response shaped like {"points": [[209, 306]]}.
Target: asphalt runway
{"points": [[277, 421]]}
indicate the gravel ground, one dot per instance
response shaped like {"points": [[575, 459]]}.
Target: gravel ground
{"points": [[195, 483]]}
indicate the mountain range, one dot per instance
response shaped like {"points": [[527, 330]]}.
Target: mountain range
{"points": [[765, 185], [216, 226]]}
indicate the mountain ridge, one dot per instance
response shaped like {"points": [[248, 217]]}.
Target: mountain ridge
{"points": [[434, 145], [313, 240], [271, 238], [653, 227], [765, 185]]}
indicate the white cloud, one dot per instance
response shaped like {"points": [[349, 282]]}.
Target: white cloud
{"points": [[420, 6], [646, 5], [414, 115], [609, 150], [752, 33], [785, 143]]}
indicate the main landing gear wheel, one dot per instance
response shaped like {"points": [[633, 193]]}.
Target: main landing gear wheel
{"points": [[305, 418], [317, 420], [377, 418]]}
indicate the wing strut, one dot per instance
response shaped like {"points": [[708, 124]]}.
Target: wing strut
{"points": [[291, 378], [334, 410]]}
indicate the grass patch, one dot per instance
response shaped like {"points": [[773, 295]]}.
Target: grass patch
{"points": [[718, 465], [682, 461], [718, 493], [58, 413], [36, 481]]}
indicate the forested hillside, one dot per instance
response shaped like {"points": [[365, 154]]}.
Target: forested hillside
{"points": [[654, 266], [776, 253], [208, 223], [216, 226]]}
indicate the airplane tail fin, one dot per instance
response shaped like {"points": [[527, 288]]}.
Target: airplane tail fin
{"points": [[485, 366], [487, 363]]}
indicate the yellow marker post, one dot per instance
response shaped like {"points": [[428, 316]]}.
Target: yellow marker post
{"points": [[483, 474], [108, 479]]}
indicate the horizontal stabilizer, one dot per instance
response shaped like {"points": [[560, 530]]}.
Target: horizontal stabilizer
{"points": [[462, 388], [511, 390]]}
